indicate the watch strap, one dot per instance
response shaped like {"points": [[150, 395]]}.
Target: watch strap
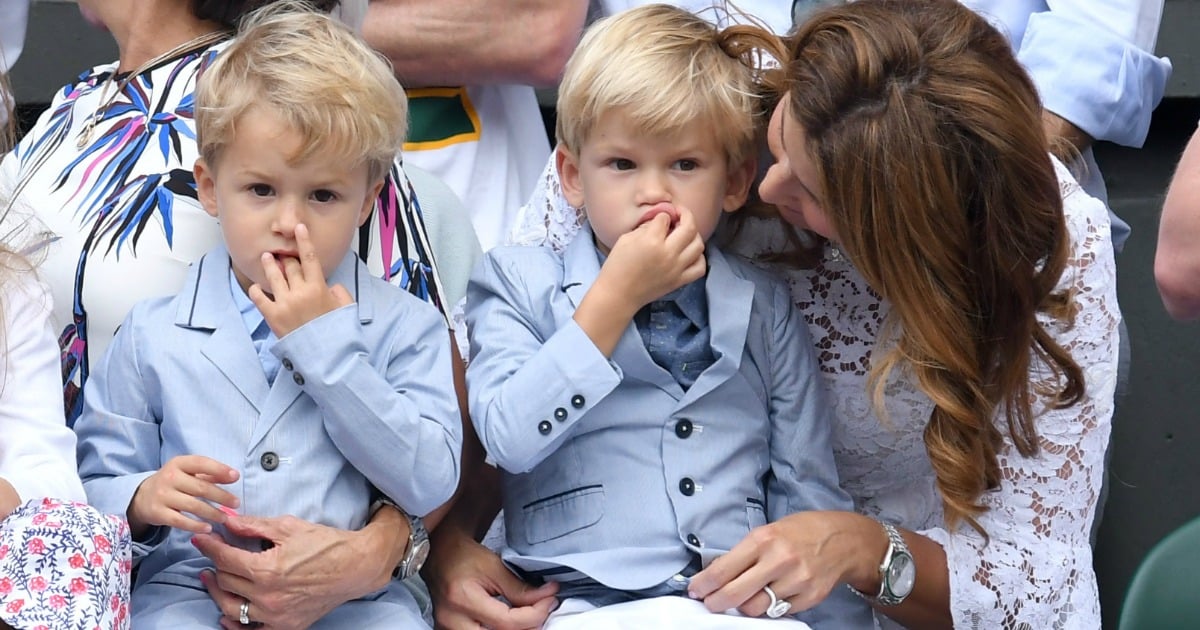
{"points": [[896, 546]]}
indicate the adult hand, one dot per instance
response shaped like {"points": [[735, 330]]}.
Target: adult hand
{"points": [[308, 570], [802, 557], [464, 578], [299, 293]]}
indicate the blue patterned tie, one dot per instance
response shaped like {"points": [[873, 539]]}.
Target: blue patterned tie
{"points": [[675, 330]]}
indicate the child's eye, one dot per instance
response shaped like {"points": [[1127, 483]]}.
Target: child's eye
{"points": [[687, 165], [261, 190], [324, 196], [622, 164]]}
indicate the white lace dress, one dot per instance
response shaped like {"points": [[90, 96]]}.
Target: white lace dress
{"points": [[1036, 572]]}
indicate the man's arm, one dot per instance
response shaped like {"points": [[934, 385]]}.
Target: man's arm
{"points": [[1177, 261], [1094, 67], [475, 42]]}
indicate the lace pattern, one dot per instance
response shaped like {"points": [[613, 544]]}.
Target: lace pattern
{"points": [[1036, 571]]}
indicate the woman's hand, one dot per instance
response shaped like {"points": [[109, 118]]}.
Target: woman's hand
{"points": [[310, 569], [802, 557], [464, 578]]}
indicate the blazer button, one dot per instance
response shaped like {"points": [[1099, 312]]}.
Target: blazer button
{"points": [[560, 414], [269, 461], [298, 378], [683, 429], [287, 364], [544, 427], [693, 540], [687, 486], [577, 401]]}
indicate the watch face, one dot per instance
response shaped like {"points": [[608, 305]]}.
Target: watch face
{"points": [[902, 574], [420, 554]]}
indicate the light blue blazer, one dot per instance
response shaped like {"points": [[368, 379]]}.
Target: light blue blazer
{"points": [[613, 471], [364, 398]]}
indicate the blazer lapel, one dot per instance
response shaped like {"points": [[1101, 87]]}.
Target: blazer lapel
{"points": [[284, 391], [210, 307], [730, 299], [580, 268]]}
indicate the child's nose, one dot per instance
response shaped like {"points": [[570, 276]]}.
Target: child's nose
{"points": [[287, 217], [653, 188]]}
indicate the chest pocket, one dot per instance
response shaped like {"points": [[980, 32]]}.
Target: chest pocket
{"points": [[560, 514]]}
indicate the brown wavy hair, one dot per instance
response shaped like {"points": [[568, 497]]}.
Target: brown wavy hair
{"points": [[927, 139]]}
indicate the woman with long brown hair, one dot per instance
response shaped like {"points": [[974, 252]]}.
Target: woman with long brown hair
{"points": [[964, 288]]}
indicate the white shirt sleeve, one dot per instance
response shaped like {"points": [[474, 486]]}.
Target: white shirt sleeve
{"points": [[37, 450]]}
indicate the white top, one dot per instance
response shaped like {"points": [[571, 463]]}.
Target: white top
{"points": [[486, 142], [37, 450], [1037, 570]]}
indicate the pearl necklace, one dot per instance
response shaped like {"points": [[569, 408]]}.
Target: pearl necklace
{"points": [[106, 100]]}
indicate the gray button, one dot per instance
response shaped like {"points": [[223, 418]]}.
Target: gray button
{"points": [[296, 376], [544, 427], [287, 364], [577, 401], [687, 486], [269, 461], [560, 414]]}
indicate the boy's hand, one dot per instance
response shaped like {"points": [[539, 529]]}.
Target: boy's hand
{"points": [[299, 293], [654, 259], [184, 484]]}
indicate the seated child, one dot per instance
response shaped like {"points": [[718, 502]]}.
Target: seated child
{"points": [[650, 399], [63, 564], [283, 378]]}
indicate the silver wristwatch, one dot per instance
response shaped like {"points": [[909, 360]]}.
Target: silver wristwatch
{"points": [[418, 541], [897, 572], [417, 551]]}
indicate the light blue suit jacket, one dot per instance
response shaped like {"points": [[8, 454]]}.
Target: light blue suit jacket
{"points": [[612, 470], [365, 398]]}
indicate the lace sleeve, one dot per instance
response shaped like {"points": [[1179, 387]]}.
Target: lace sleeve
{"points": [[1037, 570], [547, 218]]}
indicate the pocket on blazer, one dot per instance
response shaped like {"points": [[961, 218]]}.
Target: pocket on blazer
{"points": [[560, 514], [756, 513]]}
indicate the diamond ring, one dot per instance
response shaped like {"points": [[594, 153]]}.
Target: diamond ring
{"points": [[778, 607], [244, 613]]}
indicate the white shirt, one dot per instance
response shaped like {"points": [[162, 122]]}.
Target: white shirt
{"points": [[37, 450]]}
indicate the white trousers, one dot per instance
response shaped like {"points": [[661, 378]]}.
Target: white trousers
{"points": [[660, 613]]}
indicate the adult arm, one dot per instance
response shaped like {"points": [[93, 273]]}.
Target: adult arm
{"points": [[1094, 67], [37, 450], [1177, 260], [475, 42]]}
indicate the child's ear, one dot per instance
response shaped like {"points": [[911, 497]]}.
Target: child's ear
{"points": [[737, 186], [206, 186], [568, 175], [369, 203]]}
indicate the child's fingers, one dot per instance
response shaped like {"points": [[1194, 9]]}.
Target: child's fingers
{"points": [[310, 264], [276, 282], [195, 465], [340, 295]]}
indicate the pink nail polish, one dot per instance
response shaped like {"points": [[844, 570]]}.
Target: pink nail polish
{"points": [[227, 510]]}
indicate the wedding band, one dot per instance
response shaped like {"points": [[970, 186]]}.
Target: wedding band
{"points": [[778, 607], [244, 613]]}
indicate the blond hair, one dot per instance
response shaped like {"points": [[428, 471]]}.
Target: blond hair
{"points": [[314, 73], [667, 69]]}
